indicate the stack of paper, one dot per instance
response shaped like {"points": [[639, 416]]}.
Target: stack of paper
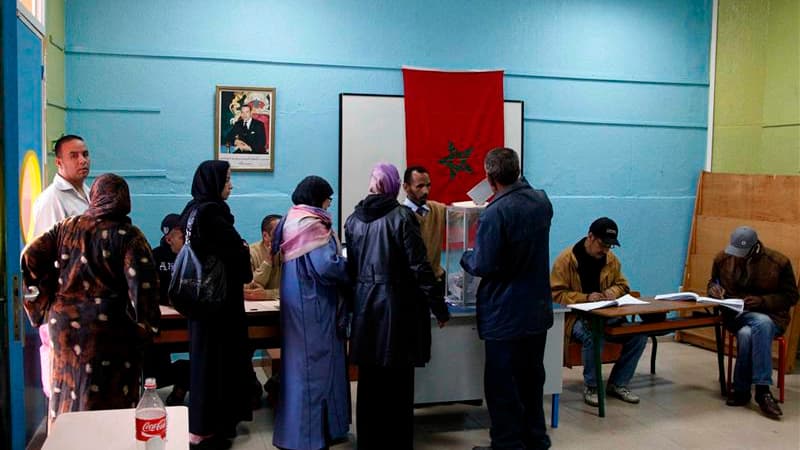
{"points": [[625, 300], [736, 304]]}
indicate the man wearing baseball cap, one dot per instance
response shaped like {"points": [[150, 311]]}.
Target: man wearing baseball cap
{"points": [[589, 271], [157, 360], [171, 243], [764, 278]]}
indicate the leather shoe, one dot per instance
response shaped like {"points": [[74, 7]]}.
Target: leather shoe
{"points": [[738, 399], [769, 406]]}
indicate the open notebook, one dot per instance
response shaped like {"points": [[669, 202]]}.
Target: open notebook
{"points": [[735, 304], [625, 300]]}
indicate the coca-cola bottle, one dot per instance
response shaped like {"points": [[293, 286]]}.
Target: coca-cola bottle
{"points": [[151, 419]]}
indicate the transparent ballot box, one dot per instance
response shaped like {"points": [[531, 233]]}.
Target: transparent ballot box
{"points": [[461, 227]]}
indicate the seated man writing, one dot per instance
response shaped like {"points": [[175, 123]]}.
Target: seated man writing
{"points": [[764, 279], [586, 272], [266, 266]]}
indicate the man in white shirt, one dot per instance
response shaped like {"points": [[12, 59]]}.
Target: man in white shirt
{"points": [[430, 214], [68, 194]]}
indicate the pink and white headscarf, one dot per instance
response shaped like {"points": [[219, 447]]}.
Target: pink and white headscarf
{"points": [[305, 228]]}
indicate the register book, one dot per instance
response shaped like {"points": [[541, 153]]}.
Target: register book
{"points": [[735, 304], [625, 300]]}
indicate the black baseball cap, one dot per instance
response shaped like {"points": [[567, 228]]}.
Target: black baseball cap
{"points": [[170, 221], [606, 230]]}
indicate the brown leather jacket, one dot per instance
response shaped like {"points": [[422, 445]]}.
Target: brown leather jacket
{"points": [[766, 277]]}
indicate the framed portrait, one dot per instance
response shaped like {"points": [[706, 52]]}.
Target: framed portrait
{"points": [[244, 132]]}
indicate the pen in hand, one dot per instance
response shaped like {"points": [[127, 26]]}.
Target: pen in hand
{"points": [[716, 290]]}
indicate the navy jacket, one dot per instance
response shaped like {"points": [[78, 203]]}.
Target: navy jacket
{"points": [[395, 290], [512, 257]]}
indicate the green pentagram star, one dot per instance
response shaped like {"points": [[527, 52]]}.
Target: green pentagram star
{"points": [[456, 160]]}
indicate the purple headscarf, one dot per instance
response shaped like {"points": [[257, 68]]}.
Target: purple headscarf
{"points": [[385, 179]]}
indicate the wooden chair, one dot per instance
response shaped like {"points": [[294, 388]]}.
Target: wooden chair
{"points": [[783, 361], [611, 352], [730, 337]]}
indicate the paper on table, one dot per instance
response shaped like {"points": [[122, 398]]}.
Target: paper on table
{"points": [[628, 299], [589, 306], [736, 304], [625, 300]]}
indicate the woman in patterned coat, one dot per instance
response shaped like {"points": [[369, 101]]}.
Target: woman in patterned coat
{"points": [[98, 293]]}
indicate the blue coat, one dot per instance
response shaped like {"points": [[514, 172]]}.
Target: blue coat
{"points": [[314, 387], [512, 257]]}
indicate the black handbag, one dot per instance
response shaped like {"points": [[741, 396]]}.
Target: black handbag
{"points": [[197, 288]]}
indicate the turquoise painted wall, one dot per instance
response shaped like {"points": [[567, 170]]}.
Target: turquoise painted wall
{"points": [[615, 98]]}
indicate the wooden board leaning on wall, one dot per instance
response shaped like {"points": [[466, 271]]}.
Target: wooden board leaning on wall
{"points": [[768, 203]]}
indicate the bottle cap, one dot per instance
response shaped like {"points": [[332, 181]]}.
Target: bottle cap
{"points": [[150, 383]]}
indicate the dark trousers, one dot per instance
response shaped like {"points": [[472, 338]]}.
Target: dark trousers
{"points": [[158, 363], [385, 408], [513, 382]]}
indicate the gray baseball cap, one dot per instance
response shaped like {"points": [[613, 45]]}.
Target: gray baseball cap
{"points": [[742, 240]]}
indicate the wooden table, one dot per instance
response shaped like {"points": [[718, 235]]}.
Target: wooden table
{"points": [[263, 325], [112, 429], [598, 318]]}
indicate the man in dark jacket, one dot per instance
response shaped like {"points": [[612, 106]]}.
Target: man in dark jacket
{"points": [[394, 295], [157, 358], [514, 304], [764, 278]]}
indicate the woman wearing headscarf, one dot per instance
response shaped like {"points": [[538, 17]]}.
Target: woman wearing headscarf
{"points": [[395, 293], [219, 352], [313, 409], [98, 294]]}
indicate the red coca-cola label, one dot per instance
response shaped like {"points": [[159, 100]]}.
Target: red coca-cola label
{"points": [[147, 429]]}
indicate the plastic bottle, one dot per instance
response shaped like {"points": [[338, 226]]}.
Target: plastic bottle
{"points": [[151, 419]]}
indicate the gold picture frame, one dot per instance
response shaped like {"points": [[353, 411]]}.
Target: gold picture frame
{"points": [[244, 127]]}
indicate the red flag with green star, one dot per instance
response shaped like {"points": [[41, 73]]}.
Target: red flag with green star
{"points": [[452, 120]]}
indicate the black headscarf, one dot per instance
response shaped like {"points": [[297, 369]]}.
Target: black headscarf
{"points": [[209, 180], [207, 185], [312, 191], [109, 198]]}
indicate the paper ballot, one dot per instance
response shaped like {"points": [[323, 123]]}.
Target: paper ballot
{"points": [[480, 192]]}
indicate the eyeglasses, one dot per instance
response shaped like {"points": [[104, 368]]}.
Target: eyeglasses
{"points": [[603, 244]]}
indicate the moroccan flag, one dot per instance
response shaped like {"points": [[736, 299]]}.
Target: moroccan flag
{"points": [[452, 120]]}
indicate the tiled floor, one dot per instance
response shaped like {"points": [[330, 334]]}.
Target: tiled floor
{"points": [[681, 408]]}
